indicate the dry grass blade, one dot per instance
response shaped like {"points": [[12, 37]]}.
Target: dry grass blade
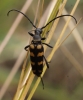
{"points": [[21, 78], [55, 24], [31, 79], [27, 86], [37, 11], [15, 24], [48, 39], [21, 57], [53, 51], [28, 77], [12, 74], [41, 11], [53, 9], [75, 63], [70, 56], [56, 46], [70, 32], [76, 34], [3, 44], [31, 76]]}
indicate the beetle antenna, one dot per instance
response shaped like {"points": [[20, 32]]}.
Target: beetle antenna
{"points": [[42, 82], [59, 17], [23, 14]]}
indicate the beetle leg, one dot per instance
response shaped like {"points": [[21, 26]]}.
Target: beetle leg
{"points": [[46, 62], [26, 47], [43, 38], [49, 62], [48, 45], [30, 34], [42, 82]]}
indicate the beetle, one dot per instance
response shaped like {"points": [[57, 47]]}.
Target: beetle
{"points": [[36, 47]]}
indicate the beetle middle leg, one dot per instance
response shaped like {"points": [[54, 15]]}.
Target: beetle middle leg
{"points": [[46, 62], [26, 47], [48, 45]]}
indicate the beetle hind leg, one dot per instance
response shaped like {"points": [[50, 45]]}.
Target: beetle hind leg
{"points": [[42, 82]]}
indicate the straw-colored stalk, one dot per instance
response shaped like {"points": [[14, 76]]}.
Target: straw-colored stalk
{"points": [[26, 84], [14, 25], [25, 87], [76, 34], [21, 56], [25, 61], [56, 46]]}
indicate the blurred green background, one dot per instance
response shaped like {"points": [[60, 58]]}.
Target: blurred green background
{"points": [[62, 81]]}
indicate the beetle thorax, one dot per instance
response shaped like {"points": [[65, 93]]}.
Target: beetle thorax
{"points": [[36, 38]]}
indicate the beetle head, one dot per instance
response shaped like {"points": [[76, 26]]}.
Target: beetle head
{"points": [[38, 31]]}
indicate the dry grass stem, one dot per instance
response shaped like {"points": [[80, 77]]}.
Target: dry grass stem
{"points": [[41, 4], [37, 10], [46, 12], [21, 78], [41, 11], [53, 8], [68, 54], [14, 25], [26, 87], [28, 77], [76, 34], [53, 28], [56, 46], [70, 57], [12, 74], [55, 24], [21, 57], [53, 51], [71, 32]]}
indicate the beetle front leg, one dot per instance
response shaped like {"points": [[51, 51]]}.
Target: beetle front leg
{"points": [[26, 47], [31, 34], [44, 37], [46, 62]]}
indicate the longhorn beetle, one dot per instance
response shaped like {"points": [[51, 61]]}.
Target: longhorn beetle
{"points": [[36, 46]]}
